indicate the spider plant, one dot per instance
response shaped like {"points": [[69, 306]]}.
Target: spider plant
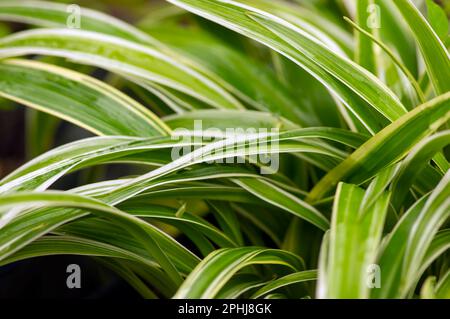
{"points": [[358, 207]]}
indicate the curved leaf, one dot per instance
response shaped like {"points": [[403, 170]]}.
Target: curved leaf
{"points": [[119, 56], [218, 268], [77, 98]]}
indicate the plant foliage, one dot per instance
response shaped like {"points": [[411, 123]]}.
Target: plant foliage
{"points": [[359, 206]]}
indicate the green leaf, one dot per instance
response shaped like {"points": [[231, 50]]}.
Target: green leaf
{"points": [[77, 98], [119, 56], [409, 250], [428, 287], [250, 80], [436, 290], [46, 169], [438, 20], [41, 172], [414, 164], [388, 51], [54, 15], [290, 279], [276, 196], [392, 252], [141, 230], [443, 287], [69, 245], [388, 146], [365, 54], [355, 236], [366, 85], [433, 215], [315, 60], [218, 268], [439, 245], [226, 119], [238, 285], [107, 232], [433, 50], [314, 107], [395, 32], [169, 215], [315, 22]]}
